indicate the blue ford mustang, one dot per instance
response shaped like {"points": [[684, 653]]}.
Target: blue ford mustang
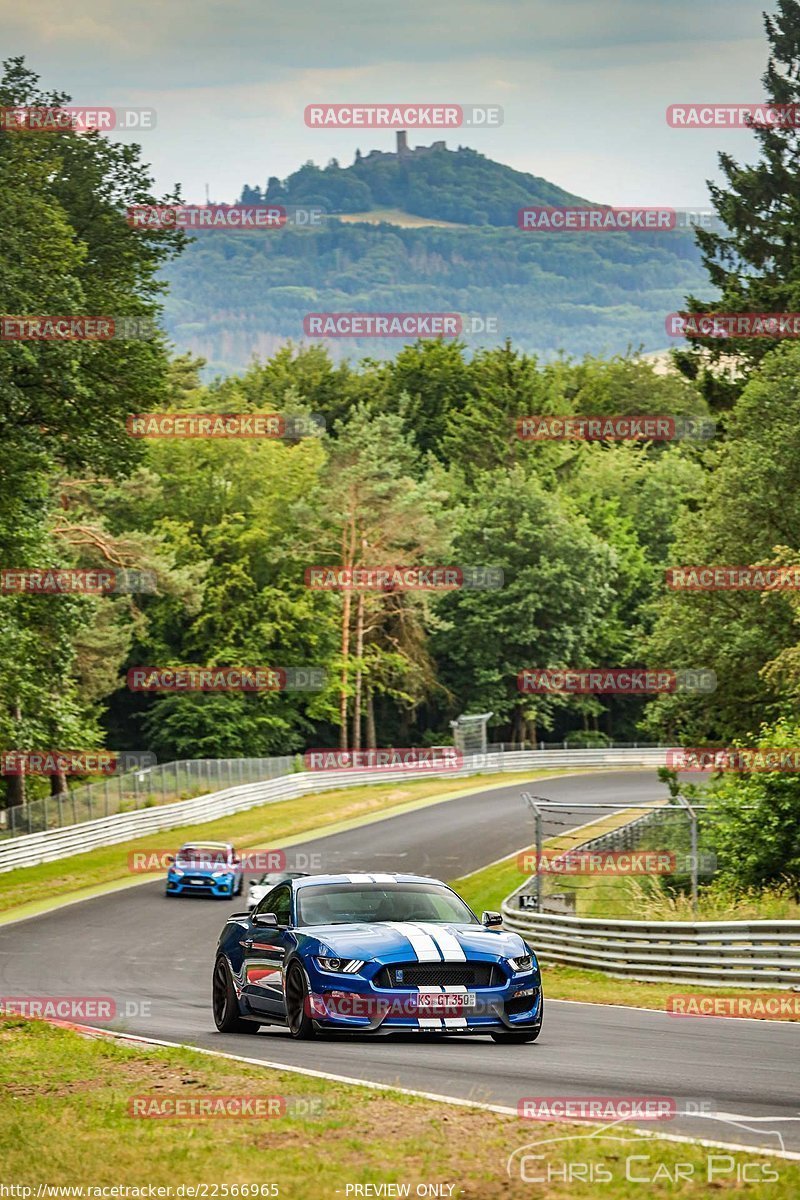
{"points": [[374, 953]]}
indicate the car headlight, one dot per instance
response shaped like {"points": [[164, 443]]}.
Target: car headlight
{"points": [[523, 963], [340, 966], [221, 874], [175, 871]]}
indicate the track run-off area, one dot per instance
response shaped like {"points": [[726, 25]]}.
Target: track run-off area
{"points": [[154, 957]]}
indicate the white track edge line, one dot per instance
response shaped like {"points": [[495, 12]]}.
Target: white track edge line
{"points": [[502, 1109]]}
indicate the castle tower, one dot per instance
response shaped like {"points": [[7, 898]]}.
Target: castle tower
{"points": [[402, 142]]}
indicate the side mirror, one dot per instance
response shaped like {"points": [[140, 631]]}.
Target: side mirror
{"points": [[169, 858], [253, 882], [491, 918], [266, 919]]}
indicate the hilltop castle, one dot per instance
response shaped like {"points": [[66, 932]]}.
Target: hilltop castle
{"points": [[404, 150]]}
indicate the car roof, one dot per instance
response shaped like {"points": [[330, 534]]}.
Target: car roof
{"points": [[207, 846], [378, 878]]}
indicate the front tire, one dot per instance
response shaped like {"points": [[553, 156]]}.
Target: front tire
{"points": [[225, 1004], [297, 991]]}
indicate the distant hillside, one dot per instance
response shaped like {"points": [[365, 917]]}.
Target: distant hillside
{"points": [[236, 295], [429, 181]]}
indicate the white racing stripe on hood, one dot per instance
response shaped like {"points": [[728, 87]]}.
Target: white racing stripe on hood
{"points": [[455, 1022], [449, 945], [422, 943], [429, 1022]]}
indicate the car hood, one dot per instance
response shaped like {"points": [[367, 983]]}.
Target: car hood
{"points": [[202, 868], [404, 941]]}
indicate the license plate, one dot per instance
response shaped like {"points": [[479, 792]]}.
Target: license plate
{"points": [[197, 882], [447, 1000]]}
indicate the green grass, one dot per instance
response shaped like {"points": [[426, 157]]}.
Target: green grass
{"points": [[265, 827], [66, 1122], [489, 887]]}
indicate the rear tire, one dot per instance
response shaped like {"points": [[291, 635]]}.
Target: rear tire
{"points": [[225, 1004], [297, 991]]}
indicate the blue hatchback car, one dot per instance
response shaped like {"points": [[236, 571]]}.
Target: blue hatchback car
{"points": [[376, 954], [205, 868]]}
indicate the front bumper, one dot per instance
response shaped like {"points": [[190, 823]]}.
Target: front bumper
{"points": [[357, 1006], [200, 885]]}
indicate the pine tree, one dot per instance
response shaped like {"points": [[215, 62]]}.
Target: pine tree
{"points": [[755, 265]]}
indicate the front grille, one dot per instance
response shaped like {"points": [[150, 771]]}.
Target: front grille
{"points": [[442, 974]]}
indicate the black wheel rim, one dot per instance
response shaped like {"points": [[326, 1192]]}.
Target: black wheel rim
{"points": [[220, 998], [295, 999]]}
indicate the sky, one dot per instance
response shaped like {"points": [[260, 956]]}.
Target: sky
{"points": [[583, 86]]}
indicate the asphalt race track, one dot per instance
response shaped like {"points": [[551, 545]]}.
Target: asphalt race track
{"points": [[136, 945]]}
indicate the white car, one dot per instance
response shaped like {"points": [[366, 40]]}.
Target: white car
{"points": [[258, 888]]}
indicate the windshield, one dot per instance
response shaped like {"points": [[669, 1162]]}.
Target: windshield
{"points": [[202, 854], [344, 904]]}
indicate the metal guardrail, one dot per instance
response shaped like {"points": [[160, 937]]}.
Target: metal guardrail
{"points": [[748, 954], [49, 845], [139, 788]]}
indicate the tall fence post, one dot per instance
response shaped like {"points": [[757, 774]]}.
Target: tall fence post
{"points": [[692, 815], [537, 816]]}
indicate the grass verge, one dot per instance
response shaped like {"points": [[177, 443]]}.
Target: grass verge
{"points": [[329, 1139], [488, 887], [265, 827]]}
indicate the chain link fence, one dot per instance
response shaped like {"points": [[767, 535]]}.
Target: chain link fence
{"points": [[647, 865], [143, 788]]}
